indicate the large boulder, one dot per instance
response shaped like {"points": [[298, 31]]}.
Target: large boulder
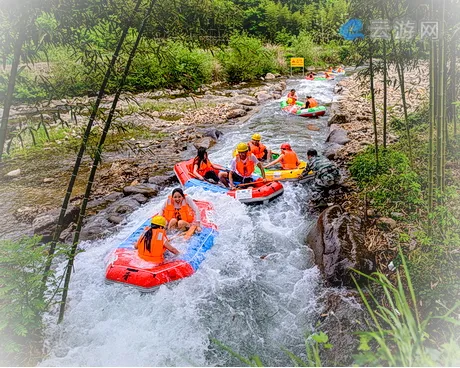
{"points": [[339, 136], [213, 133], [338, 119], [206, 142], [263, 96], [331, 150], [45, 224], [269, 76], [246, 100], [235, 113], [149, 190], [337, 240]]}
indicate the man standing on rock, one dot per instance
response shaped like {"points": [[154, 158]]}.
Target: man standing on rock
{"points": [[326, 175]]}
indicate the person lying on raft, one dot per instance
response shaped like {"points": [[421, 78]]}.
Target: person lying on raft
{"points": [[204, 169], [292, 97], [310, 102], [153, 243], [242, 167], [258, 149], [181, 212], [288, 158]]}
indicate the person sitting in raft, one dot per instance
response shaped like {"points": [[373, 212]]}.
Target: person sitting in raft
{"points": [[310, 102], [327, 75], [288, 158], [203, 168], [258, 149], [180, 211], [153, 243], [311, 75], [292, 97], [242, 167]]}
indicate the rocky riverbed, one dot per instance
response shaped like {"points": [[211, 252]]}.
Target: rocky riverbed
{"points": [[167, 124]]}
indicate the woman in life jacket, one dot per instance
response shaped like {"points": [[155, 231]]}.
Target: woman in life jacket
{"points": [[153, 243], [288, 158], [203, 168], [292, 97], [310, 102], [180, 211]]}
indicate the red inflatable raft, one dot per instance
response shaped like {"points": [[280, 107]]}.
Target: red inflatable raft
{"points": [[258, 193]]}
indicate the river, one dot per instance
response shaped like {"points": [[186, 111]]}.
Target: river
{"points": [[256, 292]]}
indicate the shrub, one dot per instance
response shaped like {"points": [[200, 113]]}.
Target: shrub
{"points": [[391, 186], [21, 299], [246, 59]]}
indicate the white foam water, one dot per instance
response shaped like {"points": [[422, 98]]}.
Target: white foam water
{"points": [[255, 292]]}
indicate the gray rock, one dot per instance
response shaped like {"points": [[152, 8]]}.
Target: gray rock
{"points": [[115, 219], [206, 142], [140, 198], [103, 202], [45, 224], [339, 136], [163, 180], [246, 100], [14, 173], [124, 206], [331, 150], [270, 76], [263, 96], [342, 315], [97, 227], [337, 241], [236, 113], [146, 189], [338, 119], [213, 133], [48, 180], [386, 223]]}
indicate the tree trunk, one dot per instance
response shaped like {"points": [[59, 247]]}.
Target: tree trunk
{"points": [[96, 163], [431, 136], [385, 92], [10, 90]]}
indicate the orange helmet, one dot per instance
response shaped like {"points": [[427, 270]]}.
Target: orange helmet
{"points": [[286, 146]]}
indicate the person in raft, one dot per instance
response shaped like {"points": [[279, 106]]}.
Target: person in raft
{"points": [[288, 158], [310, 102], [311, 75], [242, 167], [292, 97], [153, 243], [259, 150], [180, 211], [203, 168]]}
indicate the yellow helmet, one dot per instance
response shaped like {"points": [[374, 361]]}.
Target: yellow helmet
{"points": [[159, 220], [242, 147], [256, 137]]}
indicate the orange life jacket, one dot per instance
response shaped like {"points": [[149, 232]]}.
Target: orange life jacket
{"points": [[259, 151], [245, 169], [185, 212], [157, 247], [289, 160], [313, 102], [204, 167]]}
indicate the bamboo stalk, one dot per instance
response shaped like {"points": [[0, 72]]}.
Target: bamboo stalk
{"points": [[84, 142], [96, 162], [431, 137], [440, 109], [374, 117]]}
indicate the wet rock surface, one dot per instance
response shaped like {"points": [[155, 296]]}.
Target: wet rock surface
{"points": [[337, 240]]}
